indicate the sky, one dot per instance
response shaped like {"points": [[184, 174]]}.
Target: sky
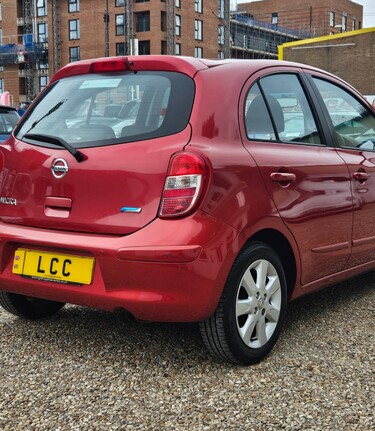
{"points": [[368, 10]]}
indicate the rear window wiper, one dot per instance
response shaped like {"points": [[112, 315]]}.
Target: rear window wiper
{"points": [[56, 141]]}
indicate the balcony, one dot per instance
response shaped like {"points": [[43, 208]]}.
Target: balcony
{"points": [[17, 53], [245, 19]]}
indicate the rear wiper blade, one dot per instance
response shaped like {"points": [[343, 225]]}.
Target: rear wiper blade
{"points": [[51, 111], [56, 141]]}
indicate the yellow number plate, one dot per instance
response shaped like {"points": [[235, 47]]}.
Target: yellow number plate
{"points": [[61, 268]]}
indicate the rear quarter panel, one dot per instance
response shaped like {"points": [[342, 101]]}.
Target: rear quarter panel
{"points": [[237, 194]]}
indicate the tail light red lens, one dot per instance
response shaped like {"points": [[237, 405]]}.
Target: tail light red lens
{"points": [[183, 185]]}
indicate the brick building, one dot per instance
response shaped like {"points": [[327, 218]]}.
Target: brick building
{"points": [[348, 55], [253, 39], [37, 37], [316, 17]]}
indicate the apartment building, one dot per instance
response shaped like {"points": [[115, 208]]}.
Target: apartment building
{"points": [[315, 17], [37, 37]]}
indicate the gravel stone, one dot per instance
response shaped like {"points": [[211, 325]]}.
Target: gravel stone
{"points": [[90, 370]]}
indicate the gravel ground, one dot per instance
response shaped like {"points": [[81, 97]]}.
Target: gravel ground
{"points": [[90, 370]]}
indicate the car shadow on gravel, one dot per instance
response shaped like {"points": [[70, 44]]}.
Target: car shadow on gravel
{"points": [[324, 302], [79, 332]]}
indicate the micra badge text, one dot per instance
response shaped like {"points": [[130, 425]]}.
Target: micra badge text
{"points": [[8, 201]]}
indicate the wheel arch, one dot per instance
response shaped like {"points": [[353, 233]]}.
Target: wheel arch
{"points": [[282, 247]]}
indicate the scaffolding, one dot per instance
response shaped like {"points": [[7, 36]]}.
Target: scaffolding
{"points": [[129, 34], [130, 40], [257, 39], [22, 49], [56, 36], [27, 7], [171, 27]]}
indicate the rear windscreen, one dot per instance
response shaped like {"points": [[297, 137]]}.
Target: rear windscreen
{"points": [[104, 109]]}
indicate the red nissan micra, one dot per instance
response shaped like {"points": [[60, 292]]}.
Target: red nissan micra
{"points": [[187, 190]]}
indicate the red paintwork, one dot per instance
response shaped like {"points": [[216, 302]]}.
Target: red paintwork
{"points": [[175, 269]]}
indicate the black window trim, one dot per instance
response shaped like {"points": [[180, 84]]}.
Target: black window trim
{"points": [[314, 102]]}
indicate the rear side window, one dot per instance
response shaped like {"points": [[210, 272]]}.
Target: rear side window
{"points": [[104, 109], [277, 109], [257, 117]]}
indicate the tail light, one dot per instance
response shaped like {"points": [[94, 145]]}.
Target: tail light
{"points": [[183, 185]]}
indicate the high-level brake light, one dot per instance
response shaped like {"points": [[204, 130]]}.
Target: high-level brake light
{"points": [[109, 65]]}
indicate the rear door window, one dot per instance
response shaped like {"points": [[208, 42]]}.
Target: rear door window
{"points": [[277, 109], [103, 109]]}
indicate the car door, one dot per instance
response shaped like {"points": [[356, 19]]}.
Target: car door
{"points": [[306, 178], [353, 127]]}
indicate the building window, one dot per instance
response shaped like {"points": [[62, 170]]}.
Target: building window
{"points": [[42, 32], [1, 13], [163, 21], [344, 21], [74, 54], [43, 81], [198, 29], [198, 6], [143, 21], [178, 25], [275, 18], [41, 8], [120, 25], [144, 47], [73, 5], [178, 49], [1, 85], [178, 3], [120, 48], [332, 19], [353, 23], [221, 8], [198, 52], [74, 32], [120, 3], [220, 55], [42, 64], [221, 35]]}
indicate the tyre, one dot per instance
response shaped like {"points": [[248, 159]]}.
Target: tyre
{"points": [[28, 307], [251, 311]]}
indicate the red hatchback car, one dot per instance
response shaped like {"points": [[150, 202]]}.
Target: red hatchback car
{"points": [[187, 190]]}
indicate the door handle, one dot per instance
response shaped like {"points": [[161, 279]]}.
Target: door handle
{"points": [[283, 178], [360, 176]]}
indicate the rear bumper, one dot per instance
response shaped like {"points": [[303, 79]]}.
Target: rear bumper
{"points": [[171, 270]]}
